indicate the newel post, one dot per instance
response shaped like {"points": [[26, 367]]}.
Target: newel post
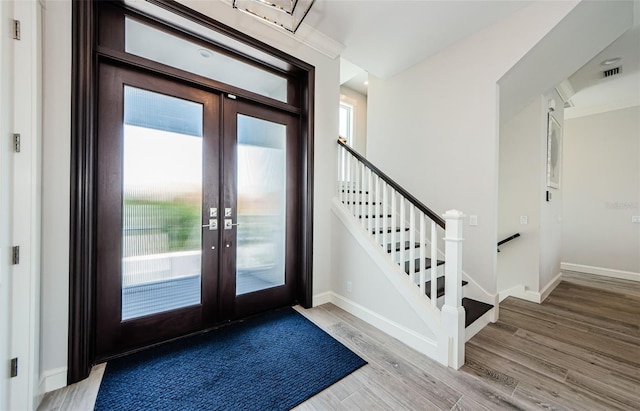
{"points": [[452, 312]]}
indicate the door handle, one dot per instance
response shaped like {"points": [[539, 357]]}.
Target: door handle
{"points": [[228, 224], [213, 224]]}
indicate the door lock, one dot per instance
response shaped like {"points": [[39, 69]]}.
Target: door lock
{"points": [[227, 212], [213, 212], [213, 224], [228, 224]]}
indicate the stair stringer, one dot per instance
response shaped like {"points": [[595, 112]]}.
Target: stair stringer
{"points": [[435, 346]]}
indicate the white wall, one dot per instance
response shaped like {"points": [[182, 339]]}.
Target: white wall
{"points": [[359, 103], [602, 190], [533, 260], [6, 177], [55, 246], [369, 285], [519, 185], [441, 117], [550, 211]]}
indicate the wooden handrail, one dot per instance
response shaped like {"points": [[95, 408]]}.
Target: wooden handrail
{"points": [[426, 210]]}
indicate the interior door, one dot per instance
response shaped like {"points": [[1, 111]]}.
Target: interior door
{"points": [[260, 230], [157, 238]]}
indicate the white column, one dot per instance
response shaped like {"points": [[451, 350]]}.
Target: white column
{"points": [[453, 314]]}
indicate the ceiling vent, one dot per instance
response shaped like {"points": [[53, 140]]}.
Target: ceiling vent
{"points": [[611, 72]]}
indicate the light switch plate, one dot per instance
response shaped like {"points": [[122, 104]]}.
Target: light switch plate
{"points": [[635, 219], [524, 219], [473, 220]]}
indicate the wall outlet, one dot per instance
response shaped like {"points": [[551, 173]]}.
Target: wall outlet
{"points": [[635, 219], [473, 220], [524, 219], [349, 286]]}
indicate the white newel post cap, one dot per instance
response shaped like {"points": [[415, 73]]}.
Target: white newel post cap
{"points": [[453, 215]]}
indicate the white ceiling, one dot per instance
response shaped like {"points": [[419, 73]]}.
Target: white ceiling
{"points": [[596, 94], [385, 37]]}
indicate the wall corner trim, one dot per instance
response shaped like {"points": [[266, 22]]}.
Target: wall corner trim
{"points": [[544, 293]]}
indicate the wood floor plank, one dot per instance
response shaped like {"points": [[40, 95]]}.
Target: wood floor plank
{"points": [[439, 393], [588, 316], [484, 394], [567, 357], [322, 401], [625, 288], [467, 404], [533, 362], [569, 351], [580, 336], [366, 400], [392, 389], [553, 391]]}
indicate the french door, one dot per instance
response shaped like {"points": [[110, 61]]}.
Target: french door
{"points": [[197, 211]]}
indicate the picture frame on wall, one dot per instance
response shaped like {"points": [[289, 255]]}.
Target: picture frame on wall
{"points": [[554, 147]]}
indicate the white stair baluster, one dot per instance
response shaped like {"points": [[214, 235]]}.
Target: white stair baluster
{"points": [[352, 183], [393, 224], [423, 256], [379, 235], [370, 199], [385, 210], [340, 173], [403, 251], [363, 196], [412, 239], [434, 263], [354, 187]]}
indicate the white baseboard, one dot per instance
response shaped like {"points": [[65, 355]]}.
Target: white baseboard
{"points": [[544, 293], [51, 380], [607, 272], [322, 298], [418, 342], [520, 291]]}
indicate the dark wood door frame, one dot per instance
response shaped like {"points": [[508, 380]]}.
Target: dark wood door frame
{"points": [[82, 253]]}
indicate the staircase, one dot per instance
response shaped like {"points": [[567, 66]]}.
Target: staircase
{"points": [[424, 248]]}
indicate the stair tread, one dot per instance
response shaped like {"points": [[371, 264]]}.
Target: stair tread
{"points": [[417, 261], [474, 309], [407, 246], [375, 216], [439, 287], [354, 191], [361, 203], [398, 229]]}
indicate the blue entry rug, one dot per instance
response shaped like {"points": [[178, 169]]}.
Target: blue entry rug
{"points": [[271, 362]]}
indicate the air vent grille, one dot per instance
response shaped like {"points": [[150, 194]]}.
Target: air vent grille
{"points": [[611, 72]]}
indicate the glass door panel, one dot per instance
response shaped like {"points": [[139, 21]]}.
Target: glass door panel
{"points": [[161, 203], [261, 214]]}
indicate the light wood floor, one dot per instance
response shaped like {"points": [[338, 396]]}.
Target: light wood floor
{"points": [[579, 350]]}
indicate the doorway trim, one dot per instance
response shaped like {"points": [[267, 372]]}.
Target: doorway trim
{"points": [[82, 254]]}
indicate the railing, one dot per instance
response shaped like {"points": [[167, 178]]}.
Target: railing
{"points": [[404, 226], [506, 240]]}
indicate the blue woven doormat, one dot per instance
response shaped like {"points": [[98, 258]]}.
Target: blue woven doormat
{"points": [[271, 362]]}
